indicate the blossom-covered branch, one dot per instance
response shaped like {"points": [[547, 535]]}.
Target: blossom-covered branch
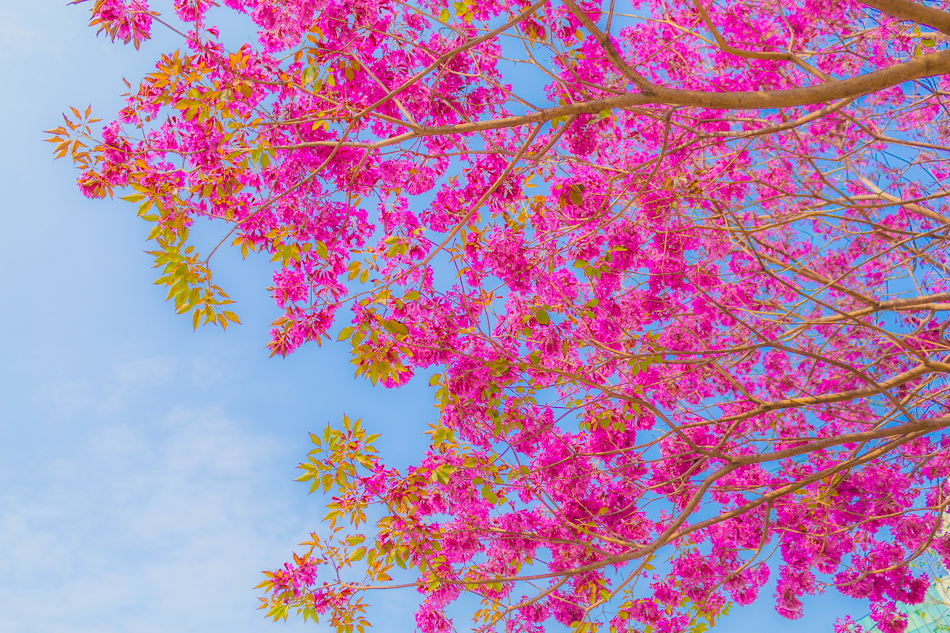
{"points": [[678, 271]]}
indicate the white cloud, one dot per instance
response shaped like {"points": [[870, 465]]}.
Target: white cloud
{"points": [[158, 524]]}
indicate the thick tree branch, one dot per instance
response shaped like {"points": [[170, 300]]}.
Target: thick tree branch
{"points": [[931, 65], [913, 12]]}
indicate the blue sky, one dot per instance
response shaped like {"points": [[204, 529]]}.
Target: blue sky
{"points": [[146, 470]]}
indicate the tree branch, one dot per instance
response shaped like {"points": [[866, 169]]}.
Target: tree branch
{"points": [[913, 12]]}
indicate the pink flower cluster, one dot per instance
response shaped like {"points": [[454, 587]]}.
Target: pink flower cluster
{"points": [[130, 22]]}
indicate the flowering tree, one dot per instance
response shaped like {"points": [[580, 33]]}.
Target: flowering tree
{"points": [[716, 328]]}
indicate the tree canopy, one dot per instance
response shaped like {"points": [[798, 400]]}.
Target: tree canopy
{"points": [[678, 270]]}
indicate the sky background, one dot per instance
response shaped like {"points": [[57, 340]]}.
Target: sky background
{"points": [[146, 470]]}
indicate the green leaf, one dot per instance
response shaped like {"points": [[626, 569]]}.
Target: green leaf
{"points": [[398, 328], [542, 317], [575, 195], [444, 16]]}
